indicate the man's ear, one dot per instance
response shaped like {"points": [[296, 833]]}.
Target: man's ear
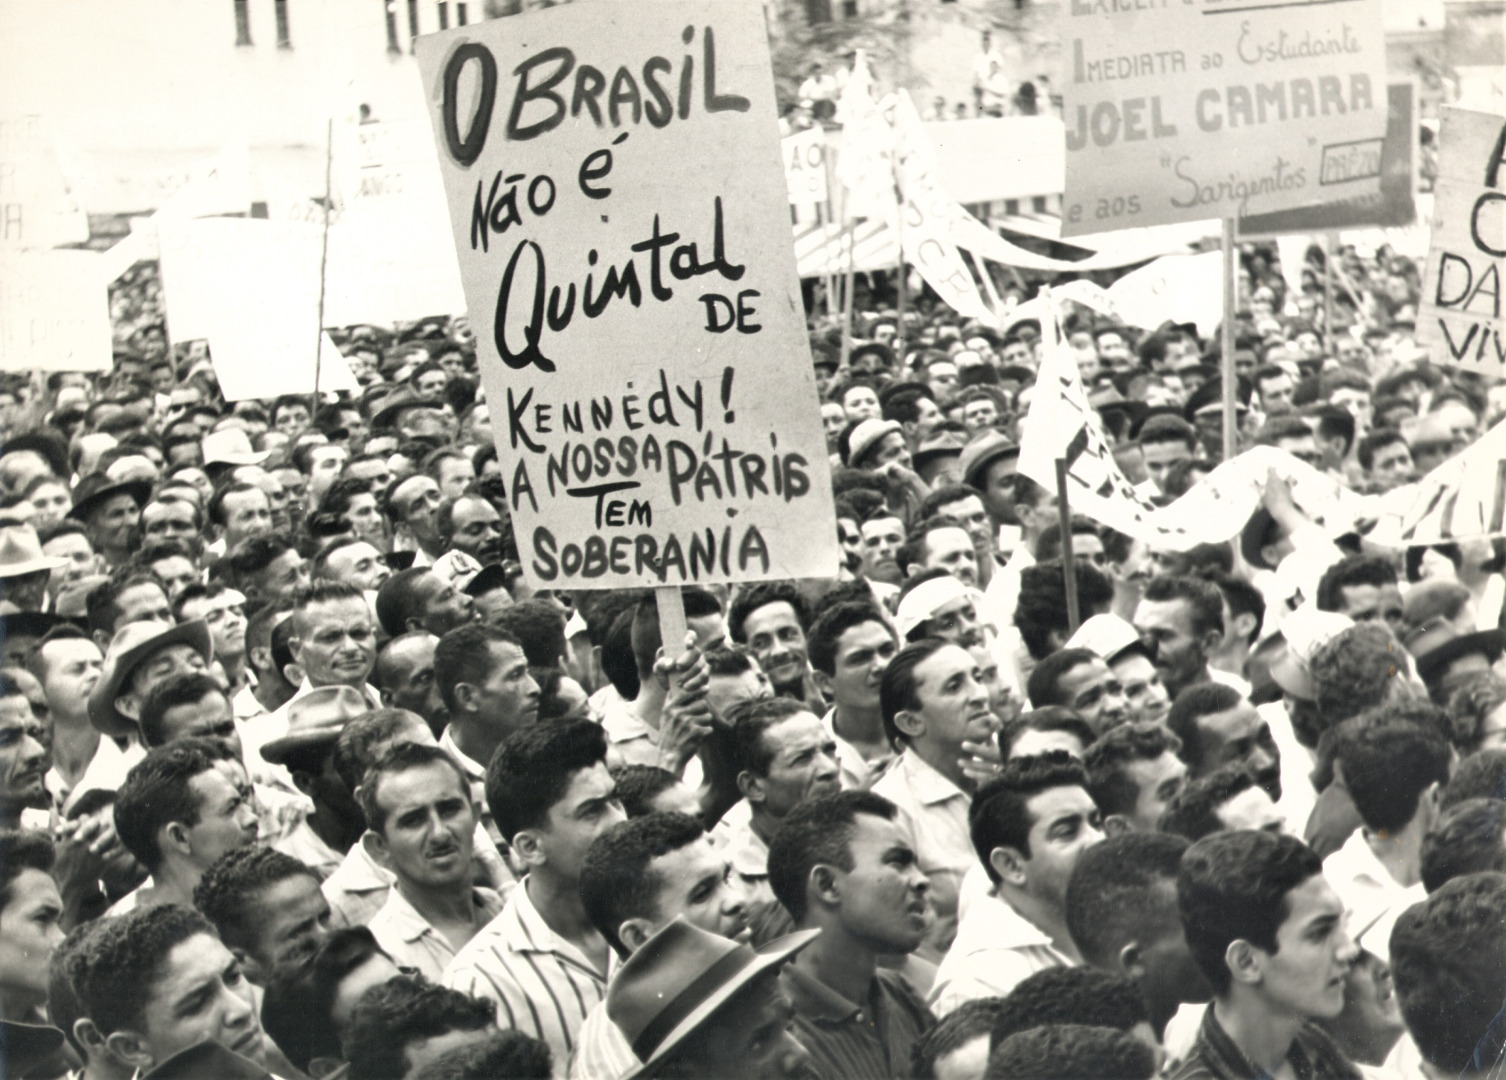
{"points": [[174, 836], [89, 1036], [1010, 865], [1244, 625], [909, 723], [751, 786], [634, 932], [1116, 825], [465, 696], [1212, 640], [303, 781], [295, 646], [1132, 960], [528, 845], [131, 1049], [128, 704], [825, 883], [375, 845], [386, 696], [1246, 962], [823, 682]]}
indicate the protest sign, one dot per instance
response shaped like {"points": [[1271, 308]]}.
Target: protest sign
{"points": [[1061, 425], [1393, 206], [38, 208], [619, 209], [54, 312], [252, 289], [1183, 111], [1459, 319], [804, 155], [925, 217], [1462, 499]]}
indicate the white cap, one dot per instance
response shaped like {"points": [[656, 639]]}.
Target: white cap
{"points": [[1306, 630], [1106, 635], [921, 602]]}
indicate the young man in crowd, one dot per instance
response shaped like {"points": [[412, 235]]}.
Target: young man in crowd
{"points": [[1224, 800], [1134, 772], [1029, 825], [850, 645], [637, 878], [933, 703], [1218, 726], [404, 675], [266, 908], [551, 795], [1118, 644], [31, 923], [772, 619], [1269, 934], [223, 610], [68, 665], [1080, 681]]}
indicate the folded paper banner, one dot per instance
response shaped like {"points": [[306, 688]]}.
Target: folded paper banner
{"points": [[1462, 499]]}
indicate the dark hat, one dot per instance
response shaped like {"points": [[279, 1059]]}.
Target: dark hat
{"points": [[1210, 396], [492, 576], [49, 443], [1152, 411], [1254, 536], [894, 389], [30, 623], [678, 981], [982, 452], [874, 348], [95, 489], [132, 644], [25, 1046], [1435, 645], [939, 444], [399, 402], [208, 1061]]}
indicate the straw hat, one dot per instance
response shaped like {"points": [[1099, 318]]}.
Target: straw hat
{"points": [[21, 553]]}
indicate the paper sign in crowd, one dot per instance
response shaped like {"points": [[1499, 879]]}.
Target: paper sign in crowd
{"points": [[621, 216]]}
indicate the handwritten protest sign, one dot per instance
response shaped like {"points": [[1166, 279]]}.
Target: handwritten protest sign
{"points": [[804, 155], [1459, 318], [1183, 110], [54, 312], [1393, 206], [619, 208]]}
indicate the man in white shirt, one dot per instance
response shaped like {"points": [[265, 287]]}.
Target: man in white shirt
{"points": [[933, 701], [1395, 768], [420, 827], [1032, 823], [850, 645]]}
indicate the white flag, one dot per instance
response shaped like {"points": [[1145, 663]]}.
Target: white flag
{"points": [[1462, 499], [865, 155], [1062, 426], [925, 233]]}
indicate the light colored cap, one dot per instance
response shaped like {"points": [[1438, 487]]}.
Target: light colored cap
{"points": [[231, 446], [867, 435], [1105, 635]]}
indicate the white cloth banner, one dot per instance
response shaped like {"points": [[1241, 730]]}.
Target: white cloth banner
{"points": [[1176, 287], [1062, 426], [865, 156], [925, 217], [1462, 499]]}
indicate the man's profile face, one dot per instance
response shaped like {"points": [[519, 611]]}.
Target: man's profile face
{"points": [[802, 763], [1094, 692], [1373, 603], [419, 498], [696, 884], [292, 918], [202, 996], [1064, 824], [282, 576], [588, 808], [357, 564], [30, 929], [211, 717], [408, 675], [954, 703], [1307, 972], [509, 698], [1159, 780], [247, 513], [773, 633], [1241, 737], [444, 606], [862, 654], [227, 814], [1166, 627], [998, 488], [884, 894], [73, 667], [1161, 456]]}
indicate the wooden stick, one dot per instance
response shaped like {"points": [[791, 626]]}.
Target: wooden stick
{"points": [[671, 619], [1226, 364], [1069, 566], [329, 157]]}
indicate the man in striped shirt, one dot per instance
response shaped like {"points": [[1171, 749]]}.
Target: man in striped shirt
{"points": [[540, 961]]}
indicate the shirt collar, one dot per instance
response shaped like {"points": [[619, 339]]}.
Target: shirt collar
{"points": [[404, 918], [747, 852], [473, 769], [814, 1000], [930, 786]]}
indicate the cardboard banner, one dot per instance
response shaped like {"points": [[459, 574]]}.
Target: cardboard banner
{"points": [[1459, 318], [38, 207], [54, 312], [1462, 499], [926, 215], [1393, 206], [1061, 425], [619, 209], [1218, 108]]}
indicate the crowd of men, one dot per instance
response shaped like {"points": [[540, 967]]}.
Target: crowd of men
{"points": [[299, 777]]}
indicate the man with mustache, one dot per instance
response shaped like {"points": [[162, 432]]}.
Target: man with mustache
{"points": [[421, 823], [639, 877], [470, 524], [1217, 727]]}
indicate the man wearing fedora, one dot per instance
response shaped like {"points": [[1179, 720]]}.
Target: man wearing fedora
{"points": [[111, 514], [315, 719], [141, 656], [24, 569], [693, 1005]]}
